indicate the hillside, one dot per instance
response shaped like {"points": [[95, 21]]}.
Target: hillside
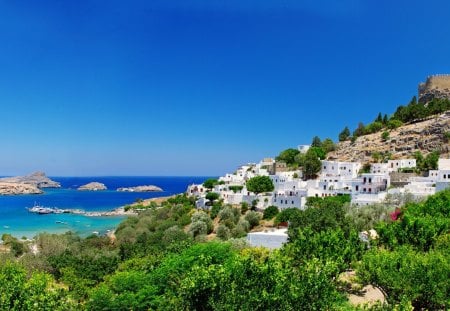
{"points": [[426, 136]]}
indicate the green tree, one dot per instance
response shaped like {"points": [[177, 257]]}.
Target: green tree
{"points": [[312, 164], [316, 142], [270, 212], [253, 218], [328, 145], [393, 124], [210, 183], [385, 119], [345, 134], [212, 196], [373, 127], [359, 131], [385, 135], [259, 184], [288, 156], [379, 118], [235, 188]]}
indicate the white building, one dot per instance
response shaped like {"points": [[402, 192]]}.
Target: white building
{"points": [[444, 164], [396, 165], [272, 239], [370, 188], [340, 169], [443, 180], [380, 168]]}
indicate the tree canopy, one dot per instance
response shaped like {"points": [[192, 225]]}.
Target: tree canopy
{"points": [[259, 184]]}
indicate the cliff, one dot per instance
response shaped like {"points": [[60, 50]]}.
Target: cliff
{"points": [[426, 136]]}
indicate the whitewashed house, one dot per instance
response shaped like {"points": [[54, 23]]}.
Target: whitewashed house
{"points": [[396, 165], [380, 168]]}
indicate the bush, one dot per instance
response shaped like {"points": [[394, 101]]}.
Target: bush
{"points": [[270, 212], [229, 216], [393, 124], [203, 217], [385, 135], [198, 228], [244, 207], [223, 232], [253, 218]]}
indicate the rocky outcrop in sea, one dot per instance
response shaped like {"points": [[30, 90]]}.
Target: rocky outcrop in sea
{"points": [[12, 188], [37, 179], [149, 188], [93, 186]]}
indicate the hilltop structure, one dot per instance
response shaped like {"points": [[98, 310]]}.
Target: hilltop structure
{"points": [[436, 86]]}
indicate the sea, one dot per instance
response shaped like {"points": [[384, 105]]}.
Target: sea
{"points": [[16, 220]]}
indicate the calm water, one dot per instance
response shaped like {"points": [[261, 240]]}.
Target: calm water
{"points": [[16, 220]]}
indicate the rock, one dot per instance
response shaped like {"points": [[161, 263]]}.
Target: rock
{"points": [[92, 186], [12, 188], [141, 189], [425, 136], [37, 179]]}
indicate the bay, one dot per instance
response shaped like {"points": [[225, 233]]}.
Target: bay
{"points": [[17, 221]]}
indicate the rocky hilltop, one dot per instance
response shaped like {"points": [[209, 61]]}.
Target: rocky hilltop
{"points": [[93, 186], [426, 136], [141, 189], [37, 179]]}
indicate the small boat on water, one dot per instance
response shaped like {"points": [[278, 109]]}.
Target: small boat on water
{"points": [[61, 222], [42, 210]]}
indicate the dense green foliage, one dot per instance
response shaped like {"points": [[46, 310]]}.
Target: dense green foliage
{"points": [[412, 260], [270, 212], [288, 156], [260, 184]]}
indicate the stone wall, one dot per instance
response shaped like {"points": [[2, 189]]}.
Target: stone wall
{"points": [[436, 86]]}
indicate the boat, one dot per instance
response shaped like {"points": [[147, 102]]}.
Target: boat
{"points": [[42, 210]]}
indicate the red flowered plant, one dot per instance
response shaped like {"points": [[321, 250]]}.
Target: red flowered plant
{"points": [[396, 214]]}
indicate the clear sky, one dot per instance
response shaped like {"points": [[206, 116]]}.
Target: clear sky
{"points": [[199, 87]]}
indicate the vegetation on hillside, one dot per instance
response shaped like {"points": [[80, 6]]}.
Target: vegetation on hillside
{"points": [[160, 260]]}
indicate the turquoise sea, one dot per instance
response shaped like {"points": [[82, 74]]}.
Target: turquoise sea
{"points": [[16, 220]]}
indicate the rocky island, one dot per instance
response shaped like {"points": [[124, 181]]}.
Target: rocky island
{"points": [[150, 188], [38, 179], [11, 188], [30, 184], [93, 186]]}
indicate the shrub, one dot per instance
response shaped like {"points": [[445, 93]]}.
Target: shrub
{"points": [[253, 218], [393, 124], [244, 207], [385, 135], [198, 228], [270, 212], [223, 232]]}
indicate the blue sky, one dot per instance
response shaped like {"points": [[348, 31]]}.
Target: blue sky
{"points": [[200, 87]]}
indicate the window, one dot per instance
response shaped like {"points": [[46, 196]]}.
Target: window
{"points": [[357, 188], [370, 180]]}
